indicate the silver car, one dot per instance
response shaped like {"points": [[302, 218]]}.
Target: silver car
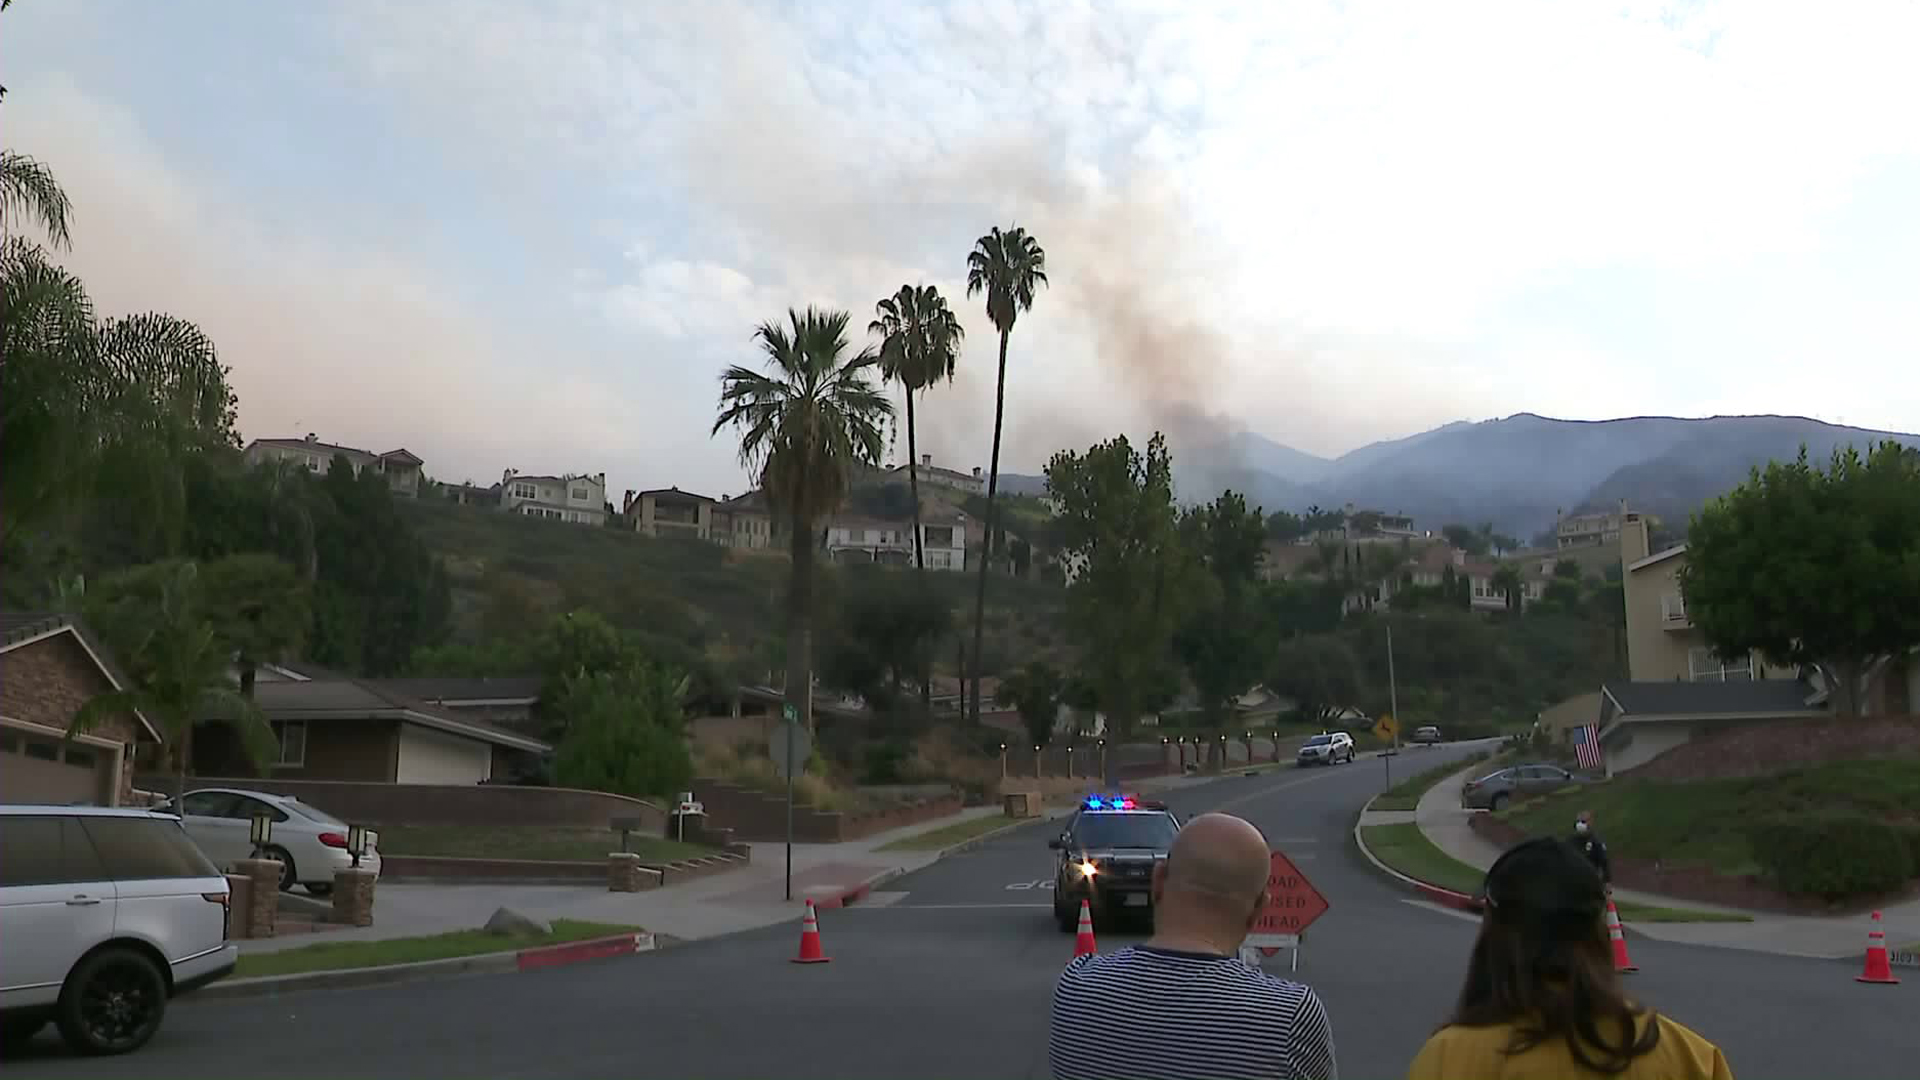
{"points": [[1495, 790], [108, 913]]}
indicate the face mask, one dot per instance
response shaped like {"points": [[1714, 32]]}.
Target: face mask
{"points": [[1580, 827]]}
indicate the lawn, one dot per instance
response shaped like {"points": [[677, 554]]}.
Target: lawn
{"points": [[336, 955], [551, 843], [1709, 822], [1406, 849], [949, 835], [1405, 795]]}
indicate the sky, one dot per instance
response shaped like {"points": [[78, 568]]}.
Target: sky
{"points": [[531, 235]]}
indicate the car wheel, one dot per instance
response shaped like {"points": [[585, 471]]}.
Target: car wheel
{"points": [[289, 876], [320, 888], [112, 1003], [1498, 802]]}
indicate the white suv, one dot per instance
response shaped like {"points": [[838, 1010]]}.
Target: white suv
{"points": [[1327, 748], [108, 913]]}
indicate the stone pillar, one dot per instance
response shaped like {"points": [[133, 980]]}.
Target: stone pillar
{"points": [[239, 893], [353, 897], [623, 872], [263, 899]]}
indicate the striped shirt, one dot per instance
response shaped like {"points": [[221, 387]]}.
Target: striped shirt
{"points": [[1154, 1014]]}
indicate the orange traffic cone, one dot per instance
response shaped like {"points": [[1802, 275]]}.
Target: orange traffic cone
{"points": [[1619, 938], [810, 950], [1879, 969], [1083, 941]]}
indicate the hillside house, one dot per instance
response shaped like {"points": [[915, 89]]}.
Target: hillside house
{"points": [[974, 483], [400, 467], [853, 538], [574, 498]]}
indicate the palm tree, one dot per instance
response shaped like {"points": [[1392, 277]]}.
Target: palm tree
{"points": [[180, 666], [28, 190], [802, 427], [920, 345], [1009, 267]]}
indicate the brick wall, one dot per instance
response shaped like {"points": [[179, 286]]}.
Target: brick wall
{"points": [[754, 815], [47, 681], [1764, 749], [450, 804]]}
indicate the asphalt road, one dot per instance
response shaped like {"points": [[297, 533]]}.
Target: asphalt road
{"points": [[948, 975]]}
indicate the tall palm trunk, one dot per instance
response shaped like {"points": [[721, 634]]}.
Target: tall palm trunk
{"points": [[986, 545], [919, 546], [800, 621]]}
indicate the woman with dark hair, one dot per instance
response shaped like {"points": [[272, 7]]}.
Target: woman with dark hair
{"points": [[1542, 1000]]}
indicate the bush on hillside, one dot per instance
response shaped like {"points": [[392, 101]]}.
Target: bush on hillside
{"points": [[1835, 857]]}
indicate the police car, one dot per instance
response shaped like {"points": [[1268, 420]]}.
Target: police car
{"points": [[1107, 854]]}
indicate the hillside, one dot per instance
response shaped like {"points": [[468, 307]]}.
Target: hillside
{"points": [[1517, 472], [509, 573]]}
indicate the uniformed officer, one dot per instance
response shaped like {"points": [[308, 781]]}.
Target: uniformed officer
{"points": [[1594, 848]]}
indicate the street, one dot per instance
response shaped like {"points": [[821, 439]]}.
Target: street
{"points": [[947, 973]]}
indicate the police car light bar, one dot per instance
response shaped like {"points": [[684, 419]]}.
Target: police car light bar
{"points": [[1111, 802]]}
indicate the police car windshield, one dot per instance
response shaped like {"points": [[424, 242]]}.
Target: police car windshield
{"points": [[1320, 740], [1095, 830]]}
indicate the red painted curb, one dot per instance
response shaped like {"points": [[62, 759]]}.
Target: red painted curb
{"points": [[1449, 898], [574, 952]]}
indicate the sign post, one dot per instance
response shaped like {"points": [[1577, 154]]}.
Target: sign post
{"points": [[1292, 905], [789, 748]]}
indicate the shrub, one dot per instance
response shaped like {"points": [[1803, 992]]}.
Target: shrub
{"points": [[1835, 857]]}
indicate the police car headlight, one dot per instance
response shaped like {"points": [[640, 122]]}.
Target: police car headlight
{"points": [[1088, 868]]}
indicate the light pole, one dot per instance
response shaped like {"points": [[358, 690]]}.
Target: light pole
{"points": [[1003, 761], [1036, 761]]}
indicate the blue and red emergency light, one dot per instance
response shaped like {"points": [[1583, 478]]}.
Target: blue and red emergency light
{"points": [[1111, 802]]}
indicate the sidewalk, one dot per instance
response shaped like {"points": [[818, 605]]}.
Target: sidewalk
{"points": [[1444, 822]]}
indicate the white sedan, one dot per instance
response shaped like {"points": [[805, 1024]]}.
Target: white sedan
{"points": [[308, 843]]}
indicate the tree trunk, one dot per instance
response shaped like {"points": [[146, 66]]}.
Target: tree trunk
{"points": [[1843, 681], [799, 689], [993, 487], [919, 546]]}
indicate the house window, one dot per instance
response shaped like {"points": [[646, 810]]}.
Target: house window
{"points": [[524, 491], [292, 736], [1673, 608], [1704, 666], [579, 494]]}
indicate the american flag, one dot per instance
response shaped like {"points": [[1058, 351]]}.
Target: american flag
{"points": [[1586, 746]]}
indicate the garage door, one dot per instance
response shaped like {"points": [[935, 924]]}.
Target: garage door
{"points": [[37, 769], [434, 757]]}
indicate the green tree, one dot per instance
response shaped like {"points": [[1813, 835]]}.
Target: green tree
{"points": [[1285, 527], [1320, 672], [1035, 691], [801, 430], [1507, 582], [920, 345], [1136, 577], [1466, 539], [1812, 567], [260, 606], [157, 621], [1226, 636], [1009, 267], [624, 732], [885, 635]]}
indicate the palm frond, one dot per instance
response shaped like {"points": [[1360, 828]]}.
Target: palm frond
{"points": [[28, 190], [245, 717], [108, 706]]}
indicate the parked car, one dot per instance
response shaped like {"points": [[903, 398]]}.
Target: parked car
{"points": [[1496, 789], [1326, 748], [308, 843], [108, 913], [1428, 734]]}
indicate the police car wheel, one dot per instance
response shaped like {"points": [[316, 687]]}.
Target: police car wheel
{"points": [[1068, 921]]}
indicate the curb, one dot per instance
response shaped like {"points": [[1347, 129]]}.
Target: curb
{"points": [[858, 892], [539, 957], [1432, 893], [974, 842]]}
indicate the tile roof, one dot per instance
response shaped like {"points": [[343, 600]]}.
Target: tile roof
{"points": [[1768, 696], [486, 688]]}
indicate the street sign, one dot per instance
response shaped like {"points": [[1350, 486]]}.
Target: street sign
{"points": [[1387, 728], [1292, 906], [790, 712], [778, 742]]}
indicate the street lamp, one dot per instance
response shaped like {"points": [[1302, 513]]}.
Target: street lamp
{"points": [[261, 833], [1036, 761], [1003, 761]]}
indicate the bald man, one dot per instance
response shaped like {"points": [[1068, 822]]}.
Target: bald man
{"points": [[1184, 1005]]}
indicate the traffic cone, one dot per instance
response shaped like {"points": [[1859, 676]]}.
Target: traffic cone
{"points": [[1619, 938], [1083, 941], [810, 951], [1878, 970]]}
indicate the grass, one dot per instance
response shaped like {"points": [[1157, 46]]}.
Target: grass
{"points": [[1405, 795], [549, 843], [338, 955], [1406, 849], [949, 835], [1709, 822]]}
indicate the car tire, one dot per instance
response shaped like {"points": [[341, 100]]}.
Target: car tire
{"points": [[289, 874], [321, 889], [1498, 802], [113, 1003]]}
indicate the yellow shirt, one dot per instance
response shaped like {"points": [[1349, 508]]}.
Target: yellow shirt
{"points": [[1475, 1053]]}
